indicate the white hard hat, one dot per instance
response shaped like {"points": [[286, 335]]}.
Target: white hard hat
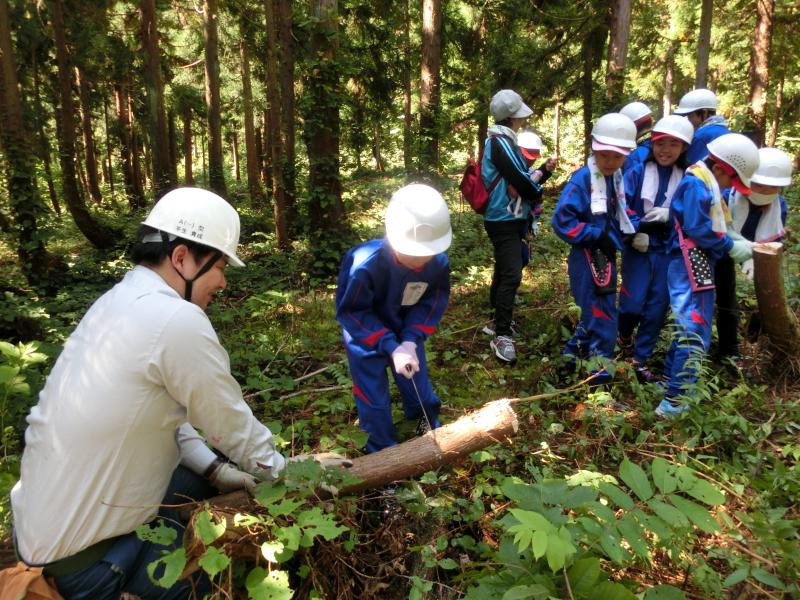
{"points": [[774, 168], [417, 221], [697, 100], [199, 216], [615, 132], [737, 151], [530, 144], [508, 103], [636, 110], [674, 126]]}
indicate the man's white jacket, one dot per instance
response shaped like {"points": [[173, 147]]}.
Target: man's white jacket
{"points": [[115, 418]]}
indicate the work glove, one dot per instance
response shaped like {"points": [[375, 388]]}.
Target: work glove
{"points": [[641, 242], [657, 214], [606, 245], [227, 478], [405, 360], [748, 268], [733, 234], [326, 460], [741, 251], [536, 228]]}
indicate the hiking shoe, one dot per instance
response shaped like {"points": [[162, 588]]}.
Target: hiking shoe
{"points": [[503, 347], [625, 347], [669, 408], [644, 374], [489, 330]]}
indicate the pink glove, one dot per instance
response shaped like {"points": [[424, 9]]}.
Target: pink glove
{"points": [[405, 360]]}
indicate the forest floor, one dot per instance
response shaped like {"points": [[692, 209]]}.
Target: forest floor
{"points": [[450, 535]]}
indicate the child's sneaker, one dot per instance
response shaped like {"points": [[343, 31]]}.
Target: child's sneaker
{"points": [[669, 408], [503, 347], [643, 373]]}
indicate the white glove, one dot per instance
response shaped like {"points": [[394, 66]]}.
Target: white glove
{"points": [[748, 268], [741, 250], [227, 478], [657, 214], [326, 460], [641, 242], [536, 228], [405, 360], [733, 234]]}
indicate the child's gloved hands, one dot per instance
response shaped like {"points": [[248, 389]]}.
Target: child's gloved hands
{"points": [[657, 214], [641, 242], [741, 251], [405, 360]]}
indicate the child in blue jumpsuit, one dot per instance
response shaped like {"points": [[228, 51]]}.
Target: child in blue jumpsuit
{"points": [[642, 117], [700, 107], [391, 295], [592, 214], [644, 295], [698, 215]]}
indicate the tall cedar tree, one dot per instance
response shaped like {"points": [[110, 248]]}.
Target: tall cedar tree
{"points": [[430, 84], [703, 44], [618, 50], [759, 68], [215, 161]]}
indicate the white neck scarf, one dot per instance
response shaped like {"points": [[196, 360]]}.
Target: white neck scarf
{"points": [[704, 174], [502, 130], [770, 226], [650, 186], [599, 195]]}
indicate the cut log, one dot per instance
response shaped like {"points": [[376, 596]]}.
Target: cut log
{"points": [[780, 323]]}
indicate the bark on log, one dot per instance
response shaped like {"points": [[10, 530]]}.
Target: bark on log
{"points": [[780, 323]]}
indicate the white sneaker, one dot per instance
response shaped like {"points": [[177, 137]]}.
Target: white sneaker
{"points": [[503, 347]]}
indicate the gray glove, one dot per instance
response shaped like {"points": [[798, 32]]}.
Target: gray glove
{"points": [[326, 460], [657, 214], [641, 242], [227, 478], [741, 250]]}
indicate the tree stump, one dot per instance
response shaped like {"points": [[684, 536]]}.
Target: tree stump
{"points": [[780, 323]]}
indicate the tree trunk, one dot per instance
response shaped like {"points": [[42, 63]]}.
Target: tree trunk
{"points": [[235, 170], [44, 144], [20, 159], [703, 44], [173, 145], [215, 158], [430, 85], [669, 76], [109, 168], [273, 141], [90, 154], [188, 178], [133, 189], [287, 110], [408, 157], [759, 68], [586, 89], [776, 117], [618, 50], [157, 122], [376, 148], [557, 128], [253, 180], [100, 236], [136, 146], [780, 323]]}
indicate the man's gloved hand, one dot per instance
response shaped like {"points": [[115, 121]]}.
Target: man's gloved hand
{"points": [[657, 214], [227, 478], [741, 251], [326, 460], [405, 360], [748, 268], [641, 242], [606, 245]]}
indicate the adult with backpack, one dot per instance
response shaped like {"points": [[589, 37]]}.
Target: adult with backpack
{"points": [[511, 195]]}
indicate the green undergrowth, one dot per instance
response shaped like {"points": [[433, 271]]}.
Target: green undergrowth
{"points": [[593, 498]]}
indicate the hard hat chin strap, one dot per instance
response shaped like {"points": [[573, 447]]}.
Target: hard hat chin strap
{"points": [[187, 293]]}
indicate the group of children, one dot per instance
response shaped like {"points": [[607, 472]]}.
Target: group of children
{"points": [[681, 200]]}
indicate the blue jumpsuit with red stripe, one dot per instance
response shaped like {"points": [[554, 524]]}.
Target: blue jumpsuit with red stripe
{"points": [[692, 311], [573, 222], [380, 304]]}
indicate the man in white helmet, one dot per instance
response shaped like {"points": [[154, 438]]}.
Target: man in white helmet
{"points": [[759, 217], [697, 242], [113, 435], [391, 294], [700, 107], [642, 117], [593, 218]]}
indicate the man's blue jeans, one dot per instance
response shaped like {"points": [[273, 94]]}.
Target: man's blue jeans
{"points": [[124, 567]]}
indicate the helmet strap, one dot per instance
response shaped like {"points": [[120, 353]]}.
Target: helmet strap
{"points": [[187, 294]]}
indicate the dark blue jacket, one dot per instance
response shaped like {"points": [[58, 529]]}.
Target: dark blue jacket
{"points": [[638, 155], [634, 178], [691, 206], [698, 149], [503, 162]]}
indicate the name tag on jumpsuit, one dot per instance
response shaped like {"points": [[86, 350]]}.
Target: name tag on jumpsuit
{"points": [[413, 292]]}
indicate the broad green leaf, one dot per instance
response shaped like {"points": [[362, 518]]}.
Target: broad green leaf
{"points": [[663, 477], [7, 373], [270, 550], [557, 552], [579, 496], [738, 576], [611, 591], [696, 513], [9, 350], [160, 535], [207, 529], [173, 563], [267, 495], [767, 578], [668, 513], [616, 495], [664, 592], [610, 542], [539, 543], [591, 526], [286, 507], [531, 519], [214, 561], [316, 523], [263, 585], [634, 535], [290, 536], [448, 564], [583, 575], [601, 511], [655, 525], [706, 492], [635, 478], [527, 592]]}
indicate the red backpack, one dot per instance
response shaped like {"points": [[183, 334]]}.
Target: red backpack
{"points": [[472, 188]]}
